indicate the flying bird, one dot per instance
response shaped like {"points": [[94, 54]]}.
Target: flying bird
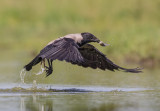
{"points": [[75, 48]]}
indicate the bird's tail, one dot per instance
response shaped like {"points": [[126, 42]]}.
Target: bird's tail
{"points": [[35, 61]]}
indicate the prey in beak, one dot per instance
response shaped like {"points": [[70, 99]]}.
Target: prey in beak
{"points": [[102, 43]]}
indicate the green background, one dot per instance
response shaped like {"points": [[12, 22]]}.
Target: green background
{"points": [[132, 27]]}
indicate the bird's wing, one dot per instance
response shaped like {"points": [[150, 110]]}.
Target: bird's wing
{"points": [[62, 49], [95, 59]]}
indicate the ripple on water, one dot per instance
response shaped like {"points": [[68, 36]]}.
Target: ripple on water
{"points": [[32, 88]]}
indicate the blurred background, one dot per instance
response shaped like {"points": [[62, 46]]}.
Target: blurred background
{"points": [[132, 27]]}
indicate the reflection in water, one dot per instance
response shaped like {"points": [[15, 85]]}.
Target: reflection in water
{"points": [[39, 103], [108, 91], [78, 98], [35, 103], [108, 101], [108, 107]]}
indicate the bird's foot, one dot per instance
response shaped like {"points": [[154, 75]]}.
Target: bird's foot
{"points": [[49, 71]]}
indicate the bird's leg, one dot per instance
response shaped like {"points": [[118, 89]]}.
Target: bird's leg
{"points": [[44, 63], [49, 68], [51, 64]]}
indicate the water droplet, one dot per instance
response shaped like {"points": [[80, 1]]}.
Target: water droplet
{"points": [[22, 75], [34, 86], [40, 72]]}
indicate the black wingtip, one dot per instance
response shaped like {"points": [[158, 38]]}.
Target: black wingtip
{"points": [[135, 70]]}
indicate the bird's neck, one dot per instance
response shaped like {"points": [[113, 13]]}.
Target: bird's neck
{"points": [[76, 37], [82, 43]]}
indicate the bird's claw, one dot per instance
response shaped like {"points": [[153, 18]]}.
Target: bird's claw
{"points": [[48, 71]]}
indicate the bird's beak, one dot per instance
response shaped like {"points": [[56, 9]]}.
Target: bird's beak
{"points": [[101, 43]]}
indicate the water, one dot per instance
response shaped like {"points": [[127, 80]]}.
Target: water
{"points": [[71, 98], [72, 88], [22, 75], [41, 71]]}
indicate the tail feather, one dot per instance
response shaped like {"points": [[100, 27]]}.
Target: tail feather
{"points": [[35, 61]]}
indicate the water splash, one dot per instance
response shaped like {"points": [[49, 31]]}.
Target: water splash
{"points": [[40, 72], [34, 85], [22, 75]]}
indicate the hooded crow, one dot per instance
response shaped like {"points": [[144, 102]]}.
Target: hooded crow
{"points": [[74, 48]]}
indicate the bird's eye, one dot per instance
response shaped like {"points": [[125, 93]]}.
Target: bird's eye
{"points": [[91, 37]]}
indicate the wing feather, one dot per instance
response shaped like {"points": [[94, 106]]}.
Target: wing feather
{"points": [[62, 49], [95, 59], [62, 56]]}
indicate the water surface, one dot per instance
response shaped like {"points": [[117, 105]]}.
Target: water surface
{"points": [[72, 88]]}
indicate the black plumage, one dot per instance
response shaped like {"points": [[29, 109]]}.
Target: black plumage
{"points": [[74, 48]]}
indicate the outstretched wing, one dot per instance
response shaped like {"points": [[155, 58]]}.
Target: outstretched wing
{"points": [[62, 49], [95, 59]]}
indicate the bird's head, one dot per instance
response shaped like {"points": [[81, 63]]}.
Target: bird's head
{"points": [[88, 37]]}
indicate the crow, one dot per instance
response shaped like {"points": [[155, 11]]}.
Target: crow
{"points": [[75, 48]]}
